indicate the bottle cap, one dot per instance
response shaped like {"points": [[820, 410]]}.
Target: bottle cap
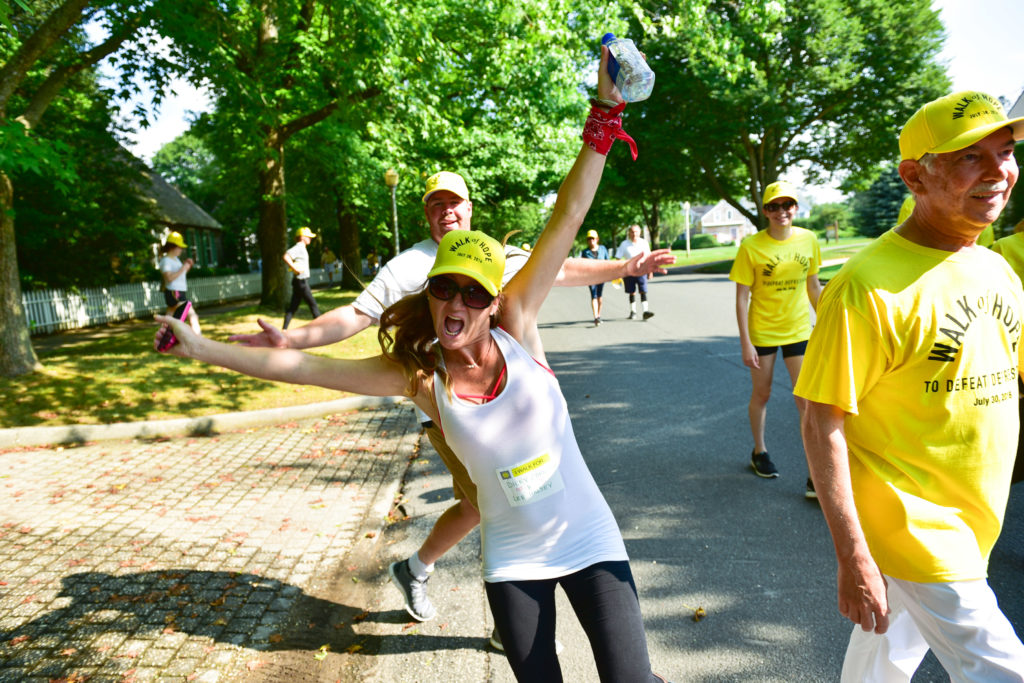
{"points": [[608, 37]]}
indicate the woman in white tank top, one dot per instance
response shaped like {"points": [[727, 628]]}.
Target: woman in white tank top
{"points": [[468, 354]]}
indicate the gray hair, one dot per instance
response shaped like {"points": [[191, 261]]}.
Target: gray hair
{"points": [[927, 161]]}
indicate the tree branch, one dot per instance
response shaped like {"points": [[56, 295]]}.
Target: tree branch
{"points": [[48, 90], [39, 43]]}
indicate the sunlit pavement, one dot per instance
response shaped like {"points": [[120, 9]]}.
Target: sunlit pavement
{"points": [[193, 559]]}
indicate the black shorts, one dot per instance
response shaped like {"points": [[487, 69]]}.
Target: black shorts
{"points": [[173, 297], [788, 350]]}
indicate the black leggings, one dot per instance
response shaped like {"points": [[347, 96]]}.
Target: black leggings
{"points": [[300, 293], [604, 598]]}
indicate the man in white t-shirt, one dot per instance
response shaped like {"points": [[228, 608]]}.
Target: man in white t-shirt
{"points": [[447, 207], [634, 245], [297, 259]]}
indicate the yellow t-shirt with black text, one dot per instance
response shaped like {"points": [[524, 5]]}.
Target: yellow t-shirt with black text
{"points": [[920, 347], [776, 272]]}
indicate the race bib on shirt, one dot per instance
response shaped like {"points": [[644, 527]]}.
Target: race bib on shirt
{"points": [[531, 480]]}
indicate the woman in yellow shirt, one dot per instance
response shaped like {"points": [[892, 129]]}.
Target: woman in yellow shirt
{"points": [[776, 273]]}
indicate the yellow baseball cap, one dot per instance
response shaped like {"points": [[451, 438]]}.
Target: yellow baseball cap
{"points": [[471, 253], [778, 189], [176, 239], [305, 232], [446, 180], [592, 233], [954, 122]]}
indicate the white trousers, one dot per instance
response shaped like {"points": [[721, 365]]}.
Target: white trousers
{"points": [[960, 621]]}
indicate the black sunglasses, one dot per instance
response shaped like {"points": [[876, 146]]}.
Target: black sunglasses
{"points": [[445, 289], [775, 206]]}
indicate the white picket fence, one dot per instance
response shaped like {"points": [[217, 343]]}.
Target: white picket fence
{"points": [[54, 310]]}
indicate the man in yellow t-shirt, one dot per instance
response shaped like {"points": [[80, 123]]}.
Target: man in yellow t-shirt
{"points": [[911, 423], [776, 276]]}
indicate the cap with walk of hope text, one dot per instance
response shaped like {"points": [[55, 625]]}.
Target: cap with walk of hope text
{"points": [[954, 122]]}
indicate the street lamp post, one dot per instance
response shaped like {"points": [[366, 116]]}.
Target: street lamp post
{"points": [[686, 226], [391, 180]]}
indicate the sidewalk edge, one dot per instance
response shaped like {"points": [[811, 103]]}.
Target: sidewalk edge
{"points": [[187, 426]]}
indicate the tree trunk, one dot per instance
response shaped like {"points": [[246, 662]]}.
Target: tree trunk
{"points": [[652, 219], [17, 357], [349, 231], [272, 228], [654, 223]]}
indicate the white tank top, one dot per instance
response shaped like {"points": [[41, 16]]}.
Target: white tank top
{"points": [[542, 515]]}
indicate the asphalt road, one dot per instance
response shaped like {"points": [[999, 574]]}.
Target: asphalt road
{"points": [[659, 409]]}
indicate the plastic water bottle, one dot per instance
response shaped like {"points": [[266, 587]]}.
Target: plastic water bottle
{"points": [[628, 68]]}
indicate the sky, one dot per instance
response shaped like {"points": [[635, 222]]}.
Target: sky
{"points": [[983, 51]]}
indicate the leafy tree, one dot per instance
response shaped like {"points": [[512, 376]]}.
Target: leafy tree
{"points": [[187, 163], [46, 49], [98, 232], [1014, 211], [756, 88], [489, 99], [824, 215]]}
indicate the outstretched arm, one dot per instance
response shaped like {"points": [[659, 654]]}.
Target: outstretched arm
{"points": [[585, 271], [528, 289], [860, 585], [370, 376], [333, 326]]}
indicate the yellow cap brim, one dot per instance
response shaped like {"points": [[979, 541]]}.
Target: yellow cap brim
{"points": [[968, 138], [476, 277]]}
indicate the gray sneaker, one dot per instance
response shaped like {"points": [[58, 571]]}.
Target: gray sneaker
{"points": [[763, 465], [809, 492], [414, 590]]}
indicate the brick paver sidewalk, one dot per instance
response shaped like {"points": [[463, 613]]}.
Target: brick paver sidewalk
{"points": [[191, 559]]}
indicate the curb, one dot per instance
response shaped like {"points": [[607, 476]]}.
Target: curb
{"points": [[187, 426]]}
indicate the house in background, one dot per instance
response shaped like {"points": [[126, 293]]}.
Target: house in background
{"points": [[725, 223], [175, 211], [170, 210]]}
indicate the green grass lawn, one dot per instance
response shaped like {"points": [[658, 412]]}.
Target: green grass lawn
{"points": [[114, 375]]}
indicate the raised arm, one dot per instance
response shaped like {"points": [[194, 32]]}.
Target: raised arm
{"points": [[528, 289], [860, 585]]}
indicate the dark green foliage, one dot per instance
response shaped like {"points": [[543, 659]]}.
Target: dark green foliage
{"points": [[1014, 211], [697, 241], [824, 215], [875, 210], [756, 88], [81, 224]]}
